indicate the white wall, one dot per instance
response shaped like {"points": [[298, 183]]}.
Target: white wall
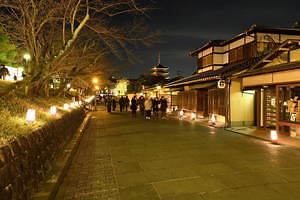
{"points": [[241, 105]]}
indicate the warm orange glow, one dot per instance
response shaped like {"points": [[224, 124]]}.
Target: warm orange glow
{"points": [[181, 113], [53, 110], [213, 119], [193, 116], [95, 80], [66, 106], [274, 136], [30, 116]]}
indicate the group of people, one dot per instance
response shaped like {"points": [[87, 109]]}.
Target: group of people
{"points": [[149, 107]]}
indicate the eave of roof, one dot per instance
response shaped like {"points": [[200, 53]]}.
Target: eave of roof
{"points": [[252, 29], [222, 73], [271, 69]]}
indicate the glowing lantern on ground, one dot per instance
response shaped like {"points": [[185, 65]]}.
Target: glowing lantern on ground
{"points": [[66, 106], [53, 110], [168, 110], [30, 116], [181, 113], [193, 116], [274, 136], [213, 119], [72, 105]]}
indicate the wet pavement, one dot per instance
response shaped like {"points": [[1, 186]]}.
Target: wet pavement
{"points": [[121, 158]]}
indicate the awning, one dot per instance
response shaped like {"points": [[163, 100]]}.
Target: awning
{"points": [[204, 85]]}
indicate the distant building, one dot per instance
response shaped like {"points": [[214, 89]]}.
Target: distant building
{"points": [[120, 87], [160, 70]]}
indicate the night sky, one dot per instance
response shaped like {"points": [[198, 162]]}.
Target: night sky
{"points": [[188, 24]]}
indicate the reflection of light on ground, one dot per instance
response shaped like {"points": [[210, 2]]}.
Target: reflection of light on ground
{"points": [[212, 132]]}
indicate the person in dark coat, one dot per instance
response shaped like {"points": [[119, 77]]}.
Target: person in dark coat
{"points": [[155, 107], [108, 104], [163, 107], [121, 104], [142, 104], [126, 103], [3, 72], [114, 104], [133, 106]]}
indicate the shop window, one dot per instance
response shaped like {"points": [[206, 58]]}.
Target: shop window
{"points": [[289, 104]]}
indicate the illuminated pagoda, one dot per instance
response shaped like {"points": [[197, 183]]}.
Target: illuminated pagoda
{"points": [[160, 70]]}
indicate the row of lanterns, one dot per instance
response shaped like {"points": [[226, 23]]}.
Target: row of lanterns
{"points": [[213, 120], [31, 113]]}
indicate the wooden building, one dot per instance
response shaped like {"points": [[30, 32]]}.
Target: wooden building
{"points": [[215, 88], [276, 83]]}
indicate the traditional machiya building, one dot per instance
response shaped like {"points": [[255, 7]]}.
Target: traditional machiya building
{"points": [[215, 89], [275, 82]]}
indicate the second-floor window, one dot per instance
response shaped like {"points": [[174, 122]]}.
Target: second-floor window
{"points": [[242, 53], [205, 61]]}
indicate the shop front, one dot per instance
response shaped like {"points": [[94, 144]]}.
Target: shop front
{"points": [[288, 109], [277, 99]]}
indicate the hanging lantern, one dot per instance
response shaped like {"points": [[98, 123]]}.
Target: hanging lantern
{"points": [[30, 115]]}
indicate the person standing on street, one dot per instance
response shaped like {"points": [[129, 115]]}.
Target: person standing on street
{"points": [[108, 104], [142, 104], [148, 107], [163, 107], [121, 103], [133, 106], [155, 107], [126, 103], [114, 104]]}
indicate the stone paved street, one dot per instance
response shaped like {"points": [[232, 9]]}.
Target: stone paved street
{"points": [[121, 158]]}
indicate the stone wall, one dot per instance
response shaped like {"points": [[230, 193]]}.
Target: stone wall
{"points": [[26, 161]]}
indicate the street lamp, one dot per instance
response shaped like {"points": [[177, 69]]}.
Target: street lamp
{"points": [[97, 87], [95, 80], [27, 57]]}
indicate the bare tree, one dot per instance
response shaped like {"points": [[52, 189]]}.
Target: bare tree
{"points": [[71, 37]]}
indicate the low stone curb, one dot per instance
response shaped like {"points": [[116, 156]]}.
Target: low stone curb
{"points": [[63, 163]]}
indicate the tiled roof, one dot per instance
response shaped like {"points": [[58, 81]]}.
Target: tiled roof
{"points": [[224, 72]]}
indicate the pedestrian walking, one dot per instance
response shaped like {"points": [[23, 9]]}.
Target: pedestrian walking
{"points": [[3, 72], [148, 107], [114, 104], [142, 105], [133, 106], [163, 107], [155, 107], [121, 103], [108, 104], [126, 103]]}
